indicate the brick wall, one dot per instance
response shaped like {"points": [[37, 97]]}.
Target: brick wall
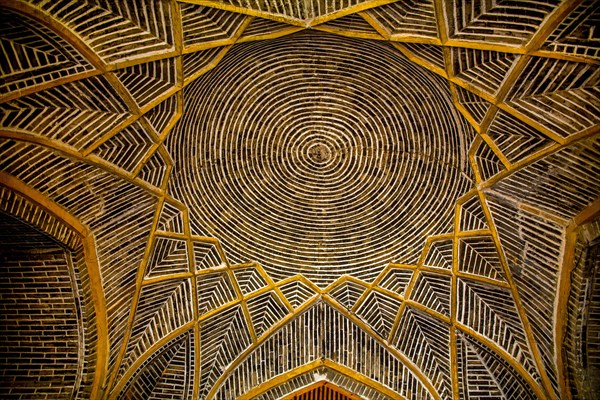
{"points": [[582, 349], [39, 332], [591, 326]]}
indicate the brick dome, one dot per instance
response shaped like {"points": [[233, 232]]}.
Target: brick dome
{"points": [[285, 199]]}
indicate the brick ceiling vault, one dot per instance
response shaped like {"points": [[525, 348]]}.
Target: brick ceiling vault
{"points": [[257, 197]]}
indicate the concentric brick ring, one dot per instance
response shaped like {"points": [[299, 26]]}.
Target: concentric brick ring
{"points": [[319, 155]]}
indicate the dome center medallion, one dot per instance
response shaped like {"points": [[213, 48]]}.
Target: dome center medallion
{"points": [[319, 154]]}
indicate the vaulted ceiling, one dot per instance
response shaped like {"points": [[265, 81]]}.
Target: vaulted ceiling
{"points": [[281, 198]]}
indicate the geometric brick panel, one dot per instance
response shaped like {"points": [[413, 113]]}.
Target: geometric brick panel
{"points": [[379, 310], [284, 197], [433, 291], [426, 342]]}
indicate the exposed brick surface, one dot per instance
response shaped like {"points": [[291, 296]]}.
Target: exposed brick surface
{"points": [[582, 342], [39, 333], [412, 190]]}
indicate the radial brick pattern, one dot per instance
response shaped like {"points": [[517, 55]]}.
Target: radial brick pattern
{"points": [[320, 182], [282, 199]]}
